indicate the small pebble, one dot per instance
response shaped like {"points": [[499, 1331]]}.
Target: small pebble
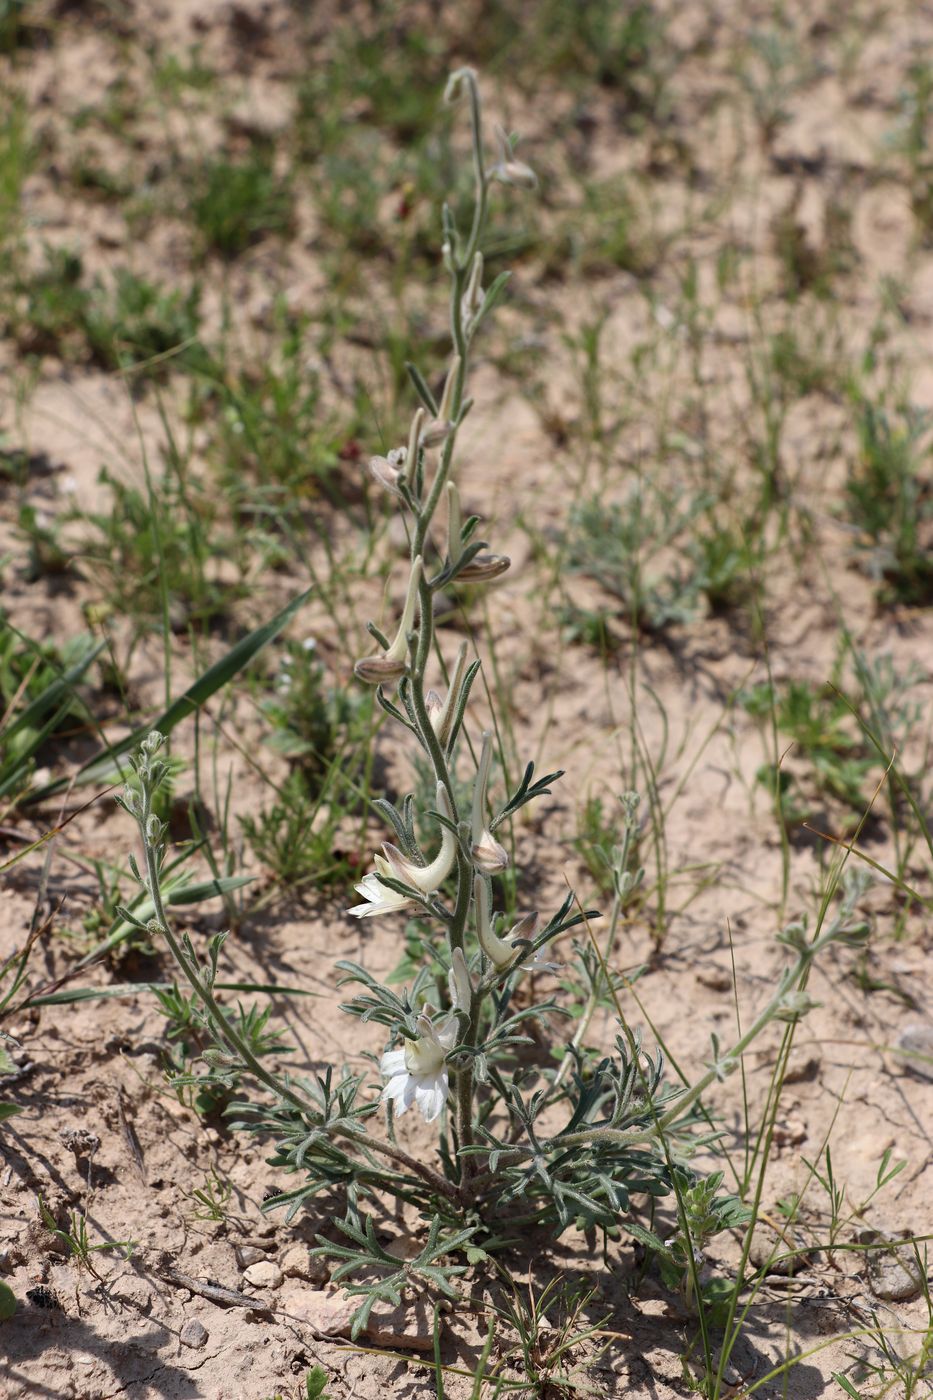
{"points": [[264, 1274], [893, 1274], [248, 1254], [790, 1133], [784, 1257], [194, 1333]]}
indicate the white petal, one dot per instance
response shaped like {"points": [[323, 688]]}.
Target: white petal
{"points": [[430, 1094], [380, 899], [446, 1033], [401, 1091], [393, 1062]]}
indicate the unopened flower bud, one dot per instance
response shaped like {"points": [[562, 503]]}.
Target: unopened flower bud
{"points": [[440, 427], [460, 983], [484, 567], [441, 712], [379, 670], [436, 431], [508, 170], [526, 928], [391, 664], [434, 706], [457, 85], [488, 855], [472, 300], [389, 470]]}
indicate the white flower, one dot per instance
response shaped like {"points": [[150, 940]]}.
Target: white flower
{"points": [[378, 898], [381, 898], [417, 1073]]}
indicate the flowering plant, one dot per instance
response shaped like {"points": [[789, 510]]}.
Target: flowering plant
{"points": [[526, 1139]]}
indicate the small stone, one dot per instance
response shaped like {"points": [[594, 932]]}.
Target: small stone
{"points": [[893, 1272], [265, 1274], [404, 1247], [194, 1333], [784, 1256], [138, 1293], [915, 1047], [790, 1133], [248, 1254]]}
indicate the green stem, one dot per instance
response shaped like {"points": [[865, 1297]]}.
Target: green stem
{"points": [[234, 1041], [457, 928]]}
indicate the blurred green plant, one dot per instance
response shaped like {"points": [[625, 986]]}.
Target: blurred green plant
{"points": [[238, 202], [633, 551], [130, 323], [161, 550], [40, 699], [820, 723], [889, 500]]}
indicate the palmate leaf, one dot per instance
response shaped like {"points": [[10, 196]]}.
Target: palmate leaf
{"points": [[426, 1270], [379, 1003]]}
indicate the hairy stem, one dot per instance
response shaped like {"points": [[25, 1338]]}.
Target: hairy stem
{"points": [[234, 1041]]}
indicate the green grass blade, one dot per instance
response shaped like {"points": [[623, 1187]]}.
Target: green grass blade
{"points": [[143, 909], [104, 766], [68, 995]]}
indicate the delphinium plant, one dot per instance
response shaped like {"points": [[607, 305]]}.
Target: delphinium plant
{"points": [[527, 1139]]}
